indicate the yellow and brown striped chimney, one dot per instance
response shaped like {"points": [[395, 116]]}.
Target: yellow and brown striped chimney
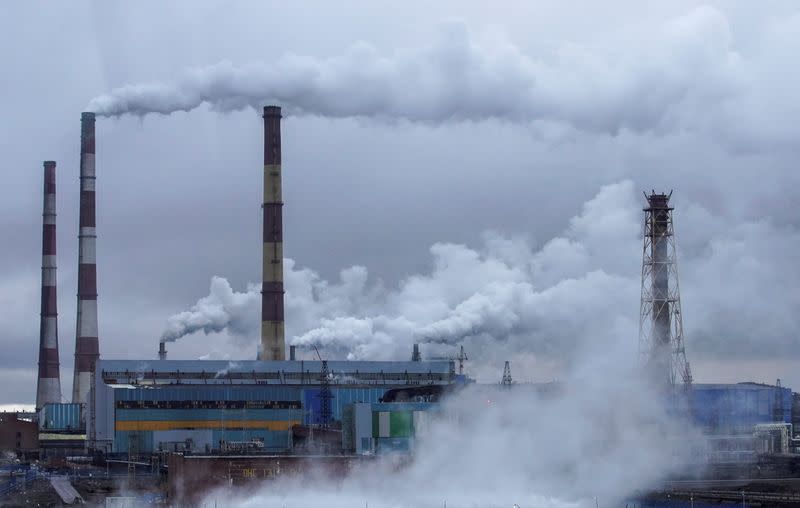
{"points": [[272, 332]]}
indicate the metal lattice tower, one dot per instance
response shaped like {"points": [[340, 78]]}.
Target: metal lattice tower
{"points": [[325, 396], [506, 375], [661, 346], [461, 357]]}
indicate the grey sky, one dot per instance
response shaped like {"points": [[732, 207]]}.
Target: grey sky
{"points": [[179, 196]]}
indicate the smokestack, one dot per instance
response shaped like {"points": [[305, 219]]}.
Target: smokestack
{"points": [[48, 389], [659, 210], [292, 352], [162, 351], [86, 342], [272, 333], [661, 323]]}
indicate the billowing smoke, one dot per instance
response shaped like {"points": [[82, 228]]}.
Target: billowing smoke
{"points": [[222, 309], [600, 434], [541, 307], [504, 295], [462, 76]]}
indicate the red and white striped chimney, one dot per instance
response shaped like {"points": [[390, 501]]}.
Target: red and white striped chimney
{"points": [[86, 343], [48, 386], [273, 345]]}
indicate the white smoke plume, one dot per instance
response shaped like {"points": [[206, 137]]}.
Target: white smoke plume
{"points": [[462, 76], [574, 294], [601, 434], [224, 371], [222, 309], [537, 302]]}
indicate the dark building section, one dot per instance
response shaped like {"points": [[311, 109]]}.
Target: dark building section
{"points": [[796, 412], [18, 435]]}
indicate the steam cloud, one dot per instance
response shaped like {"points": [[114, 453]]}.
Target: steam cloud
{"points": [[601, 434], [537, 302], [468, 77], [222, 309], [575, 294]]}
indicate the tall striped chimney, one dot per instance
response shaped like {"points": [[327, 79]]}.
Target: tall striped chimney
{"points": [[272, 335], [48, 388], [86, 344]]}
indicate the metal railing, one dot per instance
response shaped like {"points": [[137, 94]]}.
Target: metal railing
{"points": [[19, 477]]}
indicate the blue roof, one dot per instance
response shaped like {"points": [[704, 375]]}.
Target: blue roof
{"points": [[274, 372]]}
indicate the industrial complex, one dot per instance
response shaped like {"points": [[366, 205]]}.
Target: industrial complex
{"points": [[187, 426]]}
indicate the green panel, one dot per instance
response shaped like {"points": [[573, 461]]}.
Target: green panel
{"points": [[401, 423], [375, 424]]}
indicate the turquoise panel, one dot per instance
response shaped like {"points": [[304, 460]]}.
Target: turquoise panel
{"points": [[207, 414], [210, 392], [133, 442]]}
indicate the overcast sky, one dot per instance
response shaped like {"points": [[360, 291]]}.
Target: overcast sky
{"points": [[481, 167]]}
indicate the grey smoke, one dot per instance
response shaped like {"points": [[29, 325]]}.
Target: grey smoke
{"points": [[602, 433], [464, 76], [538, 302], [543, 306]]}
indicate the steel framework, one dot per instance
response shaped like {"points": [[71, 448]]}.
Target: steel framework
{"points": [[507, 380], [661, 345]]}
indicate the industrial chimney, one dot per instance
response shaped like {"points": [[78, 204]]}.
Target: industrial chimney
{"points": [[661, 320], [272, 332], [48, 389], [86, 343]]}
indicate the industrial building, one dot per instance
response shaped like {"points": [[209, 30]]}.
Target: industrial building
{"points": [[18, 434], [217, 422], [737, 408], [140, 407]]}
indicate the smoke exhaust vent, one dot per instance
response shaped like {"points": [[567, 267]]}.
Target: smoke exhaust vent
{"points": [[87, 349], [273, 346], [48, 388]]}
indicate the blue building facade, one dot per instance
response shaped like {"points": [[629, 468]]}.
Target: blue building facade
{"points": [[203, 406], [737, 408]]}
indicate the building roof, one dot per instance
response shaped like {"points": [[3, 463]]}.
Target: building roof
{"points": [[152, 372]]}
